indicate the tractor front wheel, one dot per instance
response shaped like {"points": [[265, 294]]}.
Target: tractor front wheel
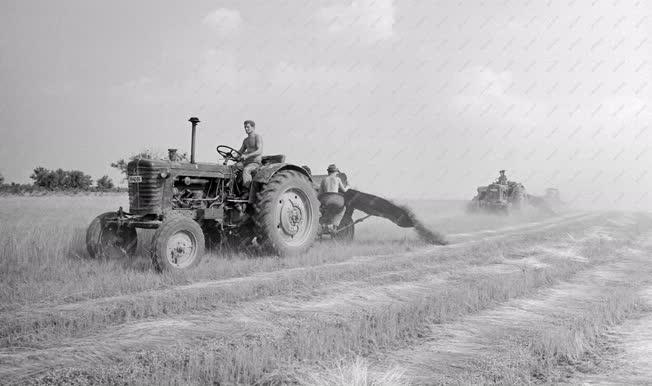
{"points": [[107, 240], [178, 244], [287, 213]]}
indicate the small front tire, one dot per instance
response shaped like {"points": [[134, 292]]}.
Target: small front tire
{"points": [[178, 244]]}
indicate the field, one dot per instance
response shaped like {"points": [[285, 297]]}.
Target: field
{"points": [[511, 300]]}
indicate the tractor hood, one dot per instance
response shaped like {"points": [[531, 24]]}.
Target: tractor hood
{"points": [[186, 168]]}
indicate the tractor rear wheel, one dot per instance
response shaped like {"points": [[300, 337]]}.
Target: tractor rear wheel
{"points": [[287, 213], [107, 240], [345, 231], [178, 244]]}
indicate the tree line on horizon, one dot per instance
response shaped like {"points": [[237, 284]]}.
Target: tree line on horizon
{"points": [[59, 180]]}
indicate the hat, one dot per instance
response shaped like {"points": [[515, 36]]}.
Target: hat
{"points": [[172, 150], [502, 171], [332, 168]]}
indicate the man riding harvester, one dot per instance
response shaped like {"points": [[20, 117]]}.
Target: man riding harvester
{"points": [[339, 202]]}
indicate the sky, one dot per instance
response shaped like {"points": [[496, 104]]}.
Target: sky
{"points": [[413, 99]]}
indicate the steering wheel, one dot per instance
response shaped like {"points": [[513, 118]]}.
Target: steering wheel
{"points": [[228, 153]]}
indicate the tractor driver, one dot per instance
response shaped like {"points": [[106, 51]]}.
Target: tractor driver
{"points": [[332, 201], [174, 156], [252, 153], [502, 179]]}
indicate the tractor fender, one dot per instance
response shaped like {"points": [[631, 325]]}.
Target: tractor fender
{"points": [[265, 173]]}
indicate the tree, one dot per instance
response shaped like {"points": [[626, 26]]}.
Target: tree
{"points": [[61, 179], [121, 164], [39, 175], [105, 183], [79, 180], [2, 179]]}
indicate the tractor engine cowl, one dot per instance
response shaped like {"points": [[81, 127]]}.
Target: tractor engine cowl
{"points": [[145, 185]]}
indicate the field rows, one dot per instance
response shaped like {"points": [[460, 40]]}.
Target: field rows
{"points": [[559, 325], [268, 320], [365, 289], [27, 325], [630, 346], [355, 267]]}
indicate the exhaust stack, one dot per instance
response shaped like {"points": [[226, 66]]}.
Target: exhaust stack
{"points": [[194, 121]]}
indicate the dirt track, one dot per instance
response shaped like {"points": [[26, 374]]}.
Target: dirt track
{"points": [[267, 306]]}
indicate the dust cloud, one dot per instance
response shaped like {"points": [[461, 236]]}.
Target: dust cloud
{"points": [[426, 234]]}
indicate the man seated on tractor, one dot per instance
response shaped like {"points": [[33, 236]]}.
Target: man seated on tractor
{"points": [[174, 156], [252, 153], [332, 201], [502, 179]]}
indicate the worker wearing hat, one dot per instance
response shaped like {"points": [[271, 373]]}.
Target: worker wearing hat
{"points": [[502, 179], [332, 201]]}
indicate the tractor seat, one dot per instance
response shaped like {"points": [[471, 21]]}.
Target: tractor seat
{"points": [[273, 159]]}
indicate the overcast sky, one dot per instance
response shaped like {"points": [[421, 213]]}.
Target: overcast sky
{"points": [[411, 98]]}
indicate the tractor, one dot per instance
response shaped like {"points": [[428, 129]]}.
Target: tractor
{"points": [[193, 205], [499, 198], [503, 197]]}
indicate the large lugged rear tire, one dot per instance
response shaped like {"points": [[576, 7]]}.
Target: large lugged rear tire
{"points": [[178, 244], [287, 213], [106, 240]]}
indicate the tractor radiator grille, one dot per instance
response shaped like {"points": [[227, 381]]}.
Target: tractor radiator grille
{"points": [[145, 196]]}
